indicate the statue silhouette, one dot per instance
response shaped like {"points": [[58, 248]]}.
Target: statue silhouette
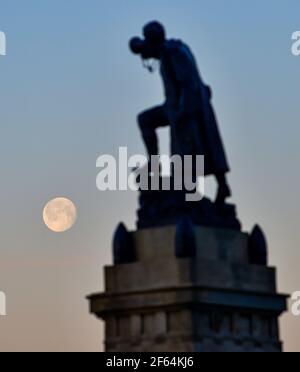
{"points": [[187, 109]]}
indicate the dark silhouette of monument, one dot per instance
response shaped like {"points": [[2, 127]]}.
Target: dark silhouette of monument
{"points": [[188, 279], [187, 110]]}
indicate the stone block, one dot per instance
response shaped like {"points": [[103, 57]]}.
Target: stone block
{"points": [[211, 244]]}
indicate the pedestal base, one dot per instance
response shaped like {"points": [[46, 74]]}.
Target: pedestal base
{"points": [[213, 302]]}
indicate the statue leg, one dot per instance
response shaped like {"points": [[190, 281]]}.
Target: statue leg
{"points": [[224, 191], [149, 121]]}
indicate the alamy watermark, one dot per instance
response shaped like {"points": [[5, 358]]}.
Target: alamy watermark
{"points": [[161, 172], [3, 304], [296, 303], [2, 44], [296, 43]]}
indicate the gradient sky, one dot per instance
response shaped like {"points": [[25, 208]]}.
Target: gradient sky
{"points": [[70, 91]]}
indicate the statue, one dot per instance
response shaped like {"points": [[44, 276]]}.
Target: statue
{"points": [[187, 110], [194, 131]]}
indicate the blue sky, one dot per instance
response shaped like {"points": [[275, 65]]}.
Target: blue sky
{"points": [[70, 91]]}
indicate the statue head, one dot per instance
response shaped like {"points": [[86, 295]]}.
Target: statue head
{"points": [[154, 33], [150, 47]]}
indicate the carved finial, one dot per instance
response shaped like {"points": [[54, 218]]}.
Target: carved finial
{"points": [[258, 247], [123, 248]]}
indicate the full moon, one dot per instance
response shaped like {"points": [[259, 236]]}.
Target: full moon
{"points": [[60, 215]]}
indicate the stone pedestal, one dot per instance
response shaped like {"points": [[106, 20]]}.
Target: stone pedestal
{"points": [[213, 301]]}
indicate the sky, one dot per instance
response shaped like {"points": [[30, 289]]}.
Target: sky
{"points": [[70, 91]]}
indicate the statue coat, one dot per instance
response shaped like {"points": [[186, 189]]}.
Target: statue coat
{"points": [[188, 105]]}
